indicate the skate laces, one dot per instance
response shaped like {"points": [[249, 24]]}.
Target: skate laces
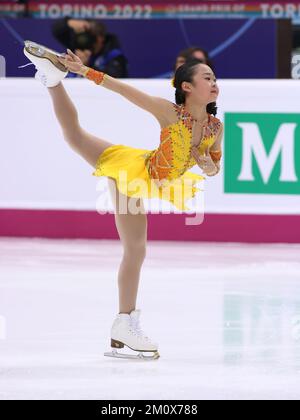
{"points": [[25, 65], [137, 329]]}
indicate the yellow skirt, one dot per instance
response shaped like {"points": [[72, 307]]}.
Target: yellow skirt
{"points": [[127, 165]]}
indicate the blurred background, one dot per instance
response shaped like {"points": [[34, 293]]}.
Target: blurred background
{"points": [[242, 38]]}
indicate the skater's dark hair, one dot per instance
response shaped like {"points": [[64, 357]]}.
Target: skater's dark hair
{"points": [[185, 73]]}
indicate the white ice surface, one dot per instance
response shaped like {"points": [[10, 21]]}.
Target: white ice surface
{"points": [[225, 317]]}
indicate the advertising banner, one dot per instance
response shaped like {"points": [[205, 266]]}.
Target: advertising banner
{"points": [[260, 166], [155, 9]]}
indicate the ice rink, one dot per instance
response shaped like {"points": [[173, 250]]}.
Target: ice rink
{"points": [[226, 317]]}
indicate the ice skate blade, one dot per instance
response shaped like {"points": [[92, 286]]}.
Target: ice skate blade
{"points": [[40, 51], [139, 356]]}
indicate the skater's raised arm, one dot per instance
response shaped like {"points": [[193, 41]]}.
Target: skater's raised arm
{"points": [[157, 106]]}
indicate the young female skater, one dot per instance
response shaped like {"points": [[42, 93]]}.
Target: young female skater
{"points": [[190, 135]]}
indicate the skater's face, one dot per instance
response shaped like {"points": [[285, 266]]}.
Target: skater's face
{"points": [[204, 88]]}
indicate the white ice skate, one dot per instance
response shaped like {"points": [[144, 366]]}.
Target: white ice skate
{"points": [[126, 331], [49, 70]]}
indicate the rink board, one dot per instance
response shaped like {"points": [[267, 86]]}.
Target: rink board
{"points": [[47, 190]]}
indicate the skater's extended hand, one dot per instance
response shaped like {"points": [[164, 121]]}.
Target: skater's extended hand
{"points": [[205, 162], [72, 62]]}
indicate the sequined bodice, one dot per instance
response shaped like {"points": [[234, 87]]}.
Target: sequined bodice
{"points": [[173, 156]]}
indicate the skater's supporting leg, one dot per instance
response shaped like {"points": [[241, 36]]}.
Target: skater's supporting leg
{"points": [[132, 229], [85, 144]]}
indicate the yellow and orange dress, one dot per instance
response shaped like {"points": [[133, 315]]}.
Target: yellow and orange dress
{"points": [[163, 172]]}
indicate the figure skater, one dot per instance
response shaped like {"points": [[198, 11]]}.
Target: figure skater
{"points": [[190, 135]]}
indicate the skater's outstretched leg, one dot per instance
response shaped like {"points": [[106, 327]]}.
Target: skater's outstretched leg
{"points": [[50, 72], [84, 143], [132, 229]]}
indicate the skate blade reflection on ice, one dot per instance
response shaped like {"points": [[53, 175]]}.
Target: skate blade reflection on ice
{"points": [[133, 356]]}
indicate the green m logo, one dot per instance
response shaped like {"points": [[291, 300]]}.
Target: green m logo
{"points": [[262, 153]]}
